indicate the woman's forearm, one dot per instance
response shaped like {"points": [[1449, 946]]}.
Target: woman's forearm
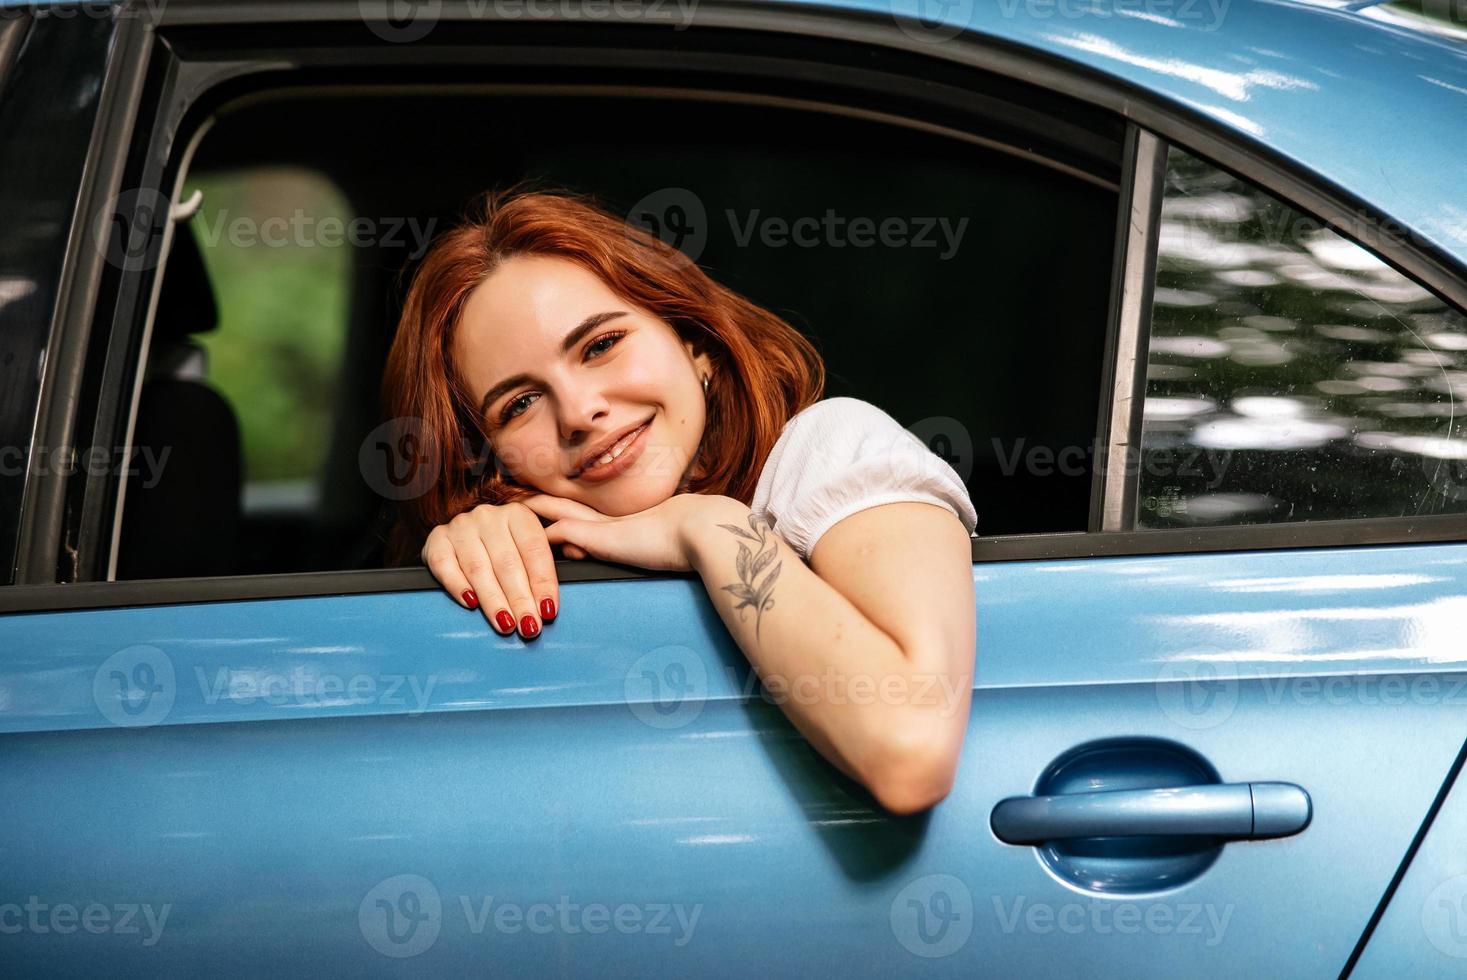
{"points": [[847, 685]]}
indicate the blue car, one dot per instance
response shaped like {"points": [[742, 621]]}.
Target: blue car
{"points": [[1176, 286]]}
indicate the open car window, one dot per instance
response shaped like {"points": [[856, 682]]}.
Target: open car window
{"points": [[924, 273]]}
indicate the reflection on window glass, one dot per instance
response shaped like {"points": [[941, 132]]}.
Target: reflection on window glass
{"points": [[1292, 375], [281, 281]]}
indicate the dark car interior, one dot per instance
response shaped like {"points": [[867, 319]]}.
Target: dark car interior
{"points": [[1004, 333]]}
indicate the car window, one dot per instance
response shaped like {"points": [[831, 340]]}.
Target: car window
{"points": [[248, 343], [282, 289], [882, 274], [1292, 375]]}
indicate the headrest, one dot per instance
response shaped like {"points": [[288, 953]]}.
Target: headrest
{"points": [[187, 305]]}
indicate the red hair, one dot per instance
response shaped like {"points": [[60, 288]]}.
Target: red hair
{"points": [[764, 370]]}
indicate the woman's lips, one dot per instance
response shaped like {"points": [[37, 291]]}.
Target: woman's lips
{"points": [[599, 472]]}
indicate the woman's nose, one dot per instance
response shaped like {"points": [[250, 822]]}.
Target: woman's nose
{"points": [[581, 412]]}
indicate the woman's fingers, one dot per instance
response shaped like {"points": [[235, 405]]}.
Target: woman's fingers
{"points": [[472, 559], [442, 561], [509, 569], [539, 562]]}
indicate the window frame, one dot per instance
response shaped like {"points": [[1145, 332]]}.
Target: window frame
{"points": [[1151, 122]]}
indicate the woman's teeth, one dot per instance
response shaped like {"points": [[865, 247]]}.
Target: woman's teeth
{"points": [[620, 447]]}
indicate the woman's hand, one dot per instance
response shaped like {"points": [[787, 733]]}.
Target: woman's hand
{"points": [[653, 538], [498, 558]]}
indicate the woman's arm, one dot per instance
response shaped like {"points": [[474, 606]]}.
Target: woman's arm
{"points": [[869, 649]]}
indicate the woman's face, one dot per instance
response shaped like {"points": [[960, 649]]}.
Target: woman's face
{"points": [[563, 367]]}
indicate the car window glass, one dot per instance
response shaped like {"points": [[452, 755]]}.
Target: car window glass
{"points": [[1292, 375]]}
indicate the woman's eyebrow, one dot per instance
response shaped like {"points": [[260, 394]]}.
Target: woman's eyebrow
{"points": [[566, 345]]}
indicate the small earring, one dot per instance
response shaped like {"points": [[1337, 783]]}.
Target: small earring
{"points": [[705, 384]]}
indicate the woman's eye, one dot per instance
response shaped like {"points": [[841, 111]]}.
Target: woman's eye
{"points": [[608, 339], [509, 412], [594, 349]]}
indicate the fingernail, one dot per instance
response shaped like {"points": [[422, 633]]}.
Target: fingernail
{"points": [[547, 609], [471, 599], [529, 627], [505, 621]]}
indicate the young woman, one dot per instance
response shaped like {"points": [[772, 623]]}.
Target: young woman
{"points": [[655, 418]]}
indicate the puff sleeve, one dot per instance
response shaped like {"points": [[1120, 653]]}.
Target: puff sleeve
{"points": [[843, 455]]}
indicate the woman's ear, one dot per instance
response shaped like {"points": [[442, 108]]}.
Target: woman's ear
{"points": [[702, 363]]}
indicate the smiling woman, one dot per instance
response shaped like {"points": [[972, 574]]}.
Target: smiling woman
{"points": [[655, 418]]}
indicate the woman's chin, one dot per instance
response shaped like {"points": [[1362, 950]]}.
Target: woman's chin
{"points": [[627, 494]]}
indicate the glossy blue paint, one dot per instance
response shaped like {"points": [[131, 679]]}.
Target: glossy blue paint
{"points": [[1377, 109], [1423, 932], [619, 760]]}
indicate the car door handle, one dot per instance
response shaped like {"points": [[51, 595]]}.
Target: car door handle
{"points": [[1246, 811]]}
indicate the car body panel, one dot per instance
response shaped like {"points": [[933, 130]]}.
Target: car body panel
{"points": [[307, 751], [1423, 931], [1375, 109]]}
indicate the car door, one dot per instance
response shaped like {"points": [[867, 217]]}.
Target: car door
{"points": [[1201, 747]]}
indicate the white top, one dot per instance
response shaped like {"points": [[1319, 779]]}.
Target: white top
{"points": [[842, 455]]}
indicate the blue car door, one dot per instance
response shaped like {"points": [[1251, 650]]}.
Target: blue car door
{"points": [[1204, 733]]}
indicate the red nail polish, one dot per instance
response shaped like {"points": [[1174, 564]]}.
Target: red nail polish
{"points": [[505, 621], [471, 599], [547, 609], [529, 627]]}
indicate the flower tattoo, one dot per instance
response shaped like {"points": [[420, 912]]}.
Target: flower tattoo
{"points": [[751, 564]]}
